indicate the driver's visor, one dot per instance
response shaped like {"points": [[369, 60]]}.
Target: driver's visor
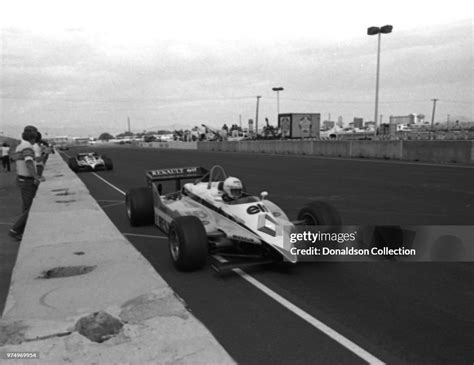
{"points": [[235, 192]]}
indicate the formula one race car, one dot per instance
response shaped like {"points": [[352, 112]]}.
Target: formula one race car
{"points": [[90, 161], [200, 221]]}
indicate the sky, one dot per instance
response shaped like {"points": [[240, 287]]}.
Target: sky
{"points": [[80, 68]]}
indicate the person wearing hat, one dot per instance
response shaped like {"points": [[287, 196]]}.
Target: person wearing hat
{"points": [[27, 177]]}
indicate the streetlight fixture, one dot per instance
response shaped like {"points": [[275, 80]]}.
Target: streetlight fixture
{"points": [[278, 89], [374, 31]]}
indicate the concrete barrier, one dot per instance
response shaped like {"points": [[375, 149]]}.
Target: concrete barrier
{"points": [[332, 148], [215, 146], [377, 149], [204, 146], [430, 151], [307, 147], [286, 147], [179, 145], [244, 146], [67, 232], [264, 146], [230, 146], [439, 151]]}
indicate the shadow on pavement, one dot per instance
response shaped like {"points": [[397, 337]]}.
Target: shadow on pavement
{"points": [[10, 203]]}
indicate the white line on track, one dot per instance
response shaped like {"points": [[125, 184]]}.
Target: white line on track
{"points": [[336, 336], [144, 235], [348, 344], [112, 186], [111, 205]]}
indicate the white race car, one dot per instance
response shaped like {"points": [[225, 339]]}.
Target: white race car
{"points": [[90, 161], [199, 221]]}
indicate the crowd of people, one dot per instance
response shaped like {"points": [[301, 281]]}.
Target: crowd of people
{"points": [[29, 157]]}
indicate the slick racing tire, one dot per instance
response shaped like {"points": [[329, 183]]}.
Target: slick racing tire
{"points": [[319, 213], [73, 165], [139, 204], [188, 243], [108, 163]]}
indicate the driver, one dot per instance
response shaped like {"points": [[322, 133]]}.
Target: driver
{"points": [[232, 189]]}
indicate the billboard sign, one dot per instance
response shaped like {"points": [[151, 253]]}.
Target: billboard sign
{"points": [[300, 125]]}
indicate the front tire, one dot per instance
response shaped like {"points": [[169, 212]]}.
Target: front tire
{"points": [[188, 243], [108, 163], [139, 204], [73, 165], [319, 213]]}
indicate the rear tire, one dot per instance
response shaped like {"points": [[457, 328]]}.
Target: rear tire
{"points": [[139, 204], [319, 213], [73, 165], [188, 243]]}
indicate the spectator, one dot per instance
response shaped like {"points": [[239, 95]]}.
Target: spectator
{"points": [[45, 150], [39, 158], [6, 157], [27, 177]]}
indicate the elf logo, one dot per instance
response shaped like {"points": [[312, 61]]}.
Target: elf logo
{"points": [[255, 209]]}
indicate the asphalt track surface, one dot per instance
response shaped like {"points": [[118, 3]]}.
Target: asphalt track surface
{"points": [[416, 313]]}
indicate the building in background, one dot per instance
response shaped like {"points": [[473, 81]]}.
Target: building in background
{"points": [[328, 124], [59, 140], [369, 125], [250, 126], [407, 119], [358, 123]]}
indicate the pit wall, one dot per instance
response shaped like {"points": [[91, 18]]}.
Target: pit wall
{"points": [[66, 230], [428, 151]]}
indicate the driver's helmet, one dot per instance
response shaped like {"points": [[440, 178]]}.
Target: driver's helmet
{"points": [[233, 187]]}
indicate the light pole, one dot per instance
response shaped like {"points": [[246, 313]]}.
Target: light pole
{"points": [[379, 31], [278, 89], [256, 116], [433, 117]]}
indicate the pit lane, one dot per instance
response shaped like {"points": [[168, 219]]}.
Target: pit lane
{"points": [[415, 313]]}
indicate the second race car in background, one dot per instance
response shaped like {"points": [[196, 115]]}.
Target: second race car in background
{"points": [[90, 161]]}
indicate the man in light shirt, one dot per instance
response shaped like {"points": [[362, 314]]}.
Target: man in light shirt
{"points": [[27, 177]]}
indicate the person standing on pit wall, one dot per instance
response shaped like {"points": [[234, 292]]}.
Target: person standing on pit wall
{"points": [[28, 178], [6, 157], [46, 150], [39, 157]]}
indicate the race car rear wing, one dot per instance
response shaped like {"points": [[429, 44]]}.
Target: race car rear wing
{"points": [[177, 173]]}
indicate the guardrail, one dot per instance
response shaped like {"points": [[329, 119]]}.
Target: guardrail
{"points": [[74, 269], [429, 151]]}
